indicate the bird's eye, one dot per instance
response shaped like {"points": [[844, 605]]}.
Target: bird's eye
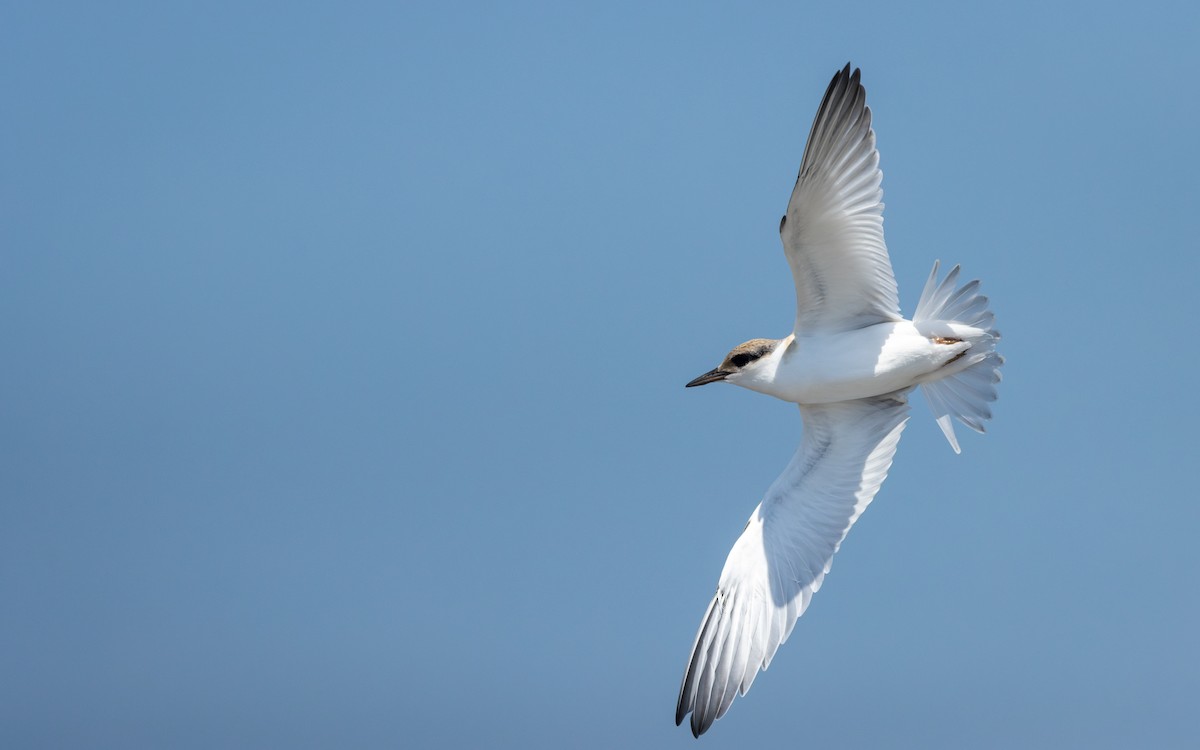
{"points": [[741, 360]]}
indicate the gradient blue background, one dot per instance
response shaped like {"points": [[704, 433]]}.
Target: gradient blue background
{"points": [[344, 348]]}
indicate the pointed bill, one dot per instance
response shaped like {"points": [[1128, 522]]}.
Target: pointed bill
{"points": [[712, 376]]}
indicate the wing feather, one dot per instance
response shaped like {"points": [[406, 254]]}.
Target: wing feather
{"points": [[787, 548], [833, 230]]}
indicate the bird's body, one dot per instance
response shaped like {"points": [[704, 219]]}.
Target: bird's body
{"points": [[866, 362], [850, 364]]}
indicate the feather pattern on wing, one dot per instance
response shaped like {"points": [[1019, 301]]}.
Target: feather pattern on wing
{"points": [[787, 547], [833, 230]]}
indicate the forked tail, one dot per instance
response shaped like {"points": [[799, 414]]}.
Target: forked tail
{"points": [[965, 386]]}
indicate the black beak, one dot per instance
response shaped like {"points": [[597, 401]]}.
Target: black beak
{"points": [[711, 376]]}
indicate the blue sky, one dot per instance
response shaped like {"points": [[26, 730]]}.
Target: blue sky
{"points": [[345, 348]]}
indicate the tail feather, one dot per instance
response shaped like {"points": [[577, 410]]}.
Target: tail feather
{"points": [[964, 388]]}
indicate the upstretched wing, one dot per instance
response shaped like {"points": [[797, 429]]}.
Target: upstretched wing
{"points": [[833, 230], [781, 558]]}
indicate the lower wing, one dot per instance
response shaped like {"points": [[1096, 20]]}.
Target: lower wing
{"points": [[785, 551]]}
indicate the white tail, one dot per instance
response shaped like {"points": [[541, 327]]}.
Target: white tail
{"points": [[964, 387]]}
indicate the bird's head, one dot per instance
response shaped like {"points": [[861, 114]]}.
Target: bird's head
{"points": [[744, 361]]}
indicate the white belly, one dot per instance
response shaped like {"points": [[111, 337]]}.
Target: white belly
{"points": [[868, 362]]}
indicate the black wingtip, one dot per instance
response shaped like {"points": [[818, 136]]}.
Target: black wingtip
{"points": [[849, 72], [838, 75]]}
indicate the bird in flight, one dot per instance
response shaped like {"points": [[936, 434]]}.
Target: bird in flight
{"points": [[849, 363]]}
